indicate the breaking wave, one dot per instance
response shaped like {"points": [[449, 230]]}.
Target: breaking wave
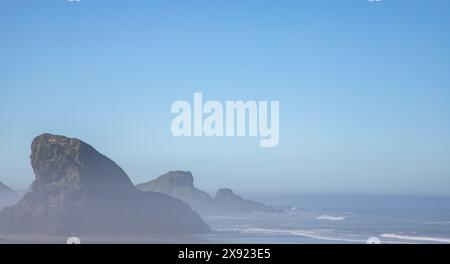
{"points": [[416, 238], [436, 223], [315, 234], [330, 217]]}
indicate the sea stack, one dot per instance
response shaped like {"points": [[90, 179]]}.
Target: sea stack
{"points": [[227, 200], [79, 191], [180, 184]]}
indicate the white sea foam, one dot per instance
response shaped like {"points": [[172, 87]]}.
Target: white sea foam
{"points": [[315, 234], [416, 238], [324, 234], [330, 217], [225, 217], [436, 223]]}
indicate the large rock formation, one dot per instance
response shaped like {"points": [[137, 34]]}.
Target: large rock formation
{"points": [[180, 184], [80, 191], [228, 201], [7, 195]]}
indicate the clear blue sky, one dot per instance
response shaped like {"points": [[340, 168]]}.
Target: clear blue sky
{"points": [[364, 89]]}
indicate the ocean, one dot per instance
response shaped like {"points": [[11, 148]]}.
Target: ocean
{"points": [[337, 219]]}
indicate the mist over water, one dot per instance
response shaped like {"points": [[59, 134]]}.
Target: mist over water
{"points": [[339, 219], [310, 219], [300, 96]]}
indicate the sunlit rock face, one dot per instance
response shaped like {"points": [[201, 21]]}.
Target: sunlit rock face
{"points": [[78, 190]]}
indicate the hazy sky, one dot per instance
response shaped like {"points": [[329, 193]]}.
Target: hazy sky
{"points": [[364, 89]]}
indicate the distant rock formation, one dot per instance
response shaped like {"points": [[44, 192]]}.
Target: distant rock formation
{"points": [[180, 184], [228, 201], [80, 191], [7, 196]]}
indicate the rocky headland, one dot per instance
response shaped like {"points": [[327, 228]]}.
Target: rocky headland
{"points": [[77, 190]]}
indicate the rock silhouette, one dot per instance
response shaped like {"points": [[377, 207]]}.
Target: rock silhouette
{"points": [[7, 195], [180, 184], [78, 191], [228, 201]]}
